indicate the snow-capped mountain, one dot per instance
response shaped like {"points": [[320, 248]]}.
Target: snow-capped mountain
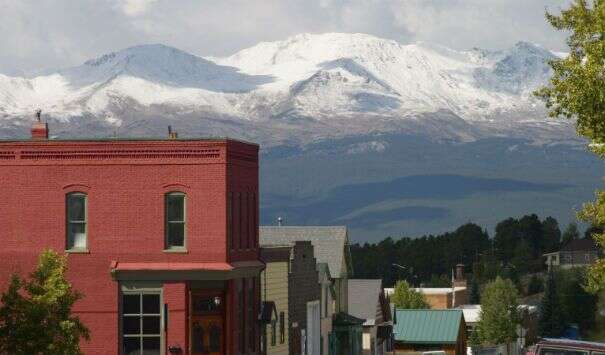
{"points": [[304, 88]]}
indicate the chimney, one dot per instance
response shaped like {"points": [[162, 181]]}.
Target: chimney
{"points": [[459, 280], [39, 129], [172, 134]]}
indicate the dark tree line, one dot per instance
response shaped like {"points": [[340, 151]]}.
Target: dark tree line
{"points": [[515, 250]]}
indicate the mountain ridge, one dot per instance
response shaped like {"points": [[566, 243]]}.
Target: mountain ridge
{"points": [[348, 84]]}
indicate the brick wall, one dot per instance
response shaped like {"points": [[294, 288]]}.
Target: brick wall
{"points": [[125, 182]]}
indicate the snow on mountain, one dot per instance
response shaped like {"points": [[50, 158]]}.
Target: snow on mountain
{"points": [[326, 79]]}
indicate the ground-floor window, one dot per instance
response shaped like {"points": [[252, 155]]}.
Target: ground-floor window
{"points": [[141, 319]]}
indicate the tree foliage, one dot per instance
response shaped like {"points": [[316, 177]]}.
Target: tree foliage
{"points": [[571, 233], [499, 315], [577, 90], [407, 298], [551, 322], [474, 294], [430, 259], [35, 315], [535, 285]]}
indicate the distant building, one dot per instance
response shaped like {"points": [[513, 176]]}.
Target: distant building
{"points": [[331, 247], [576, 253], [420, 330], [368, 301], [444, 297]]}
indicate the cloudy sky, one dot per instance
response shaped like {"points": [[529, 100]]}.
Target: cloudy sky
{"points": [[45, 34]]}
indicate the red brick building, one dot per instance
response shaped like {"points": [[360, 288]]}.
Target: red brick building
{"points": [[161, 237]]}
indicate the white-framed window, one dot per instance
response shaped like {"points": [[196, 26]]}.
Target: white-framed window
{"points": [[76, 213], [175, 220], [141, 322]]}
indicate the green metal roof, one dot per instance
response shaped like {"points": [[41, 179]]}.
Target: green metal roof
{"points": [[427, 326]]}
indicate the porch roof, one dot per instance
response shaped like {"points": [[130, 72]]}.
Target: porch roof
{"points": [[184, 271]]}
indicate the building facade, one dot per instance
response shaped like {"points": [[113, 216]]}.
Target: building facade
{"points": [[275, 293], [161, 237]]}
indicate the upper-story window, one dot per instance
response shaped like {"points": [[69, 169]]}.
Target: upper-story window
{"points": [[175, 220], [76, 221]]}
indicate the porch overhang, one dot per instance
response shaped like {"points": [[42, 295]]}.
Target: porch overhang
{"points": [[170, 271]]}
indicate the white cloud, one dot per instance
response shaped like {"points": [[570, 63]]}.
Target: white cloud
{"points": [[38, 34], [134, 7]]}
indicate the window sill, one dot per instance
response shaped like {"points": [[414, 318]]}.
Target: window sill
{"points": [[176, 251], [77, 251]]}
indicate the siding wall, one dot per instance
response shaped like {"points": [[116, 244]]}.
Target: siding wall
{"points": [[275, 283]]}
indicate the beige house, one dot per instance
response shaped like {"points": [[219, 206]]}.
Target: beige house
{"points": [[274, 297]]}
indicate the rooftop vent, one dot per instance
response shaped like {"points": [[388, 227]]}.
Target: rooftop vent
{"points": [[39, 129], [172, 134]]}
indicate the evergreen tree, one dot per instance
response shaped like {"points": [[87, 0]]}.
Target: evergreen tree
{"points": [[407, 298], [571, 233], [35, 315], [499, 315], [535, 285], [551, 235], [475, 296], [551, 322]]}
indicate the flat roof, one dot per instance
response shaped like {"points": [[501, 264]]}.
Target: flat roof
{"points": [[124, 139]]}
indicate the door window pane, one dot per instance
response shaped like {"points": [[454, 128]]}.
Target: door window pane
{"points": [[151, 346], [131, 304], [151, 325], [132, 346], [151, 304], [131, 325]]}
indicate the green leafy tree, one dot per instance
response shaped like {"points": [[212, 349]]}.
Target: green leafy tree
{"points": [[499, 315], [551, 322], [407, 298], [35, 315], [577, 90]]}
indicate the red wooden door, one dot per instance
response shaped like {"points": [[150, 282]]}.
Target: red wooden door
{"points": [[207, 323]]}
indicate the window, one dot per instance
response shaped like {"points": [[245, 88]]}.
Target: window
{"points": [[141, 323], [282, 327], [175, 220], [76, 221]]}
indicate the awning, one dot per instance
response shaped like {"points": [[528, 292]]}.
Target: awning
{"points": [[175, 271]]}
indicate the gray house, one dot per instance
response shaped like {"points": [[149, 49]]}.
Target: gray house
{"points": [[576, 253], [367, 301]]}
